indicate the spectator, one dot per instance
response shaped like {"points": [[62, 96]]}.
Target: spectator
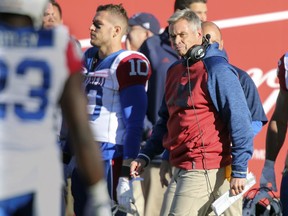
{"points": [[49, 18], [197, 6], [30, 169], [200, 116], [115, 82], [141, 27], [57, 12], [276, 133]]}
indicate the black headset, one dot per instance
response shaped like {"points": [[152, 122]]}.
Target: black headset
{"points": [[196, 52]]}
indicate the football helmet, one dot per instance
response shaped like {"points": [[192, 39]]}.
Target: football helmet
{"points": [[32, 8], [261, 202]]}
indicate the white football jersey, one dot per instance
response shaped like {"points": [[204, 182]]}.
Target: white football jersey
{"points": [[115, 72], [34, 66]]}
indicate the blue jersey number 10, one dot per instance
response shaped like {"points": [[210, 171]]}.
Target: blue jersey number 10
{"points": [[39, 92]]}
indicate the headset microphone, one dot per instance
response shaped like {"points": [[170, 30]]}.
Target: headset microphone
{"points": [[207, 37]]}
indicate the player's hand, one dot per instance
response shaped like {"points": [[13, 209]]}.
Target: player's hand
{"points": [[268, 178], [165, 168], [99, 202], [125, 194], [137, 167], [237, 185]]}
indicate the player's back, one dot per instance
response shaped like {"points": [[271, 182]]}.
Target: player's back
{"points": [[29, 85], [33, 70]]}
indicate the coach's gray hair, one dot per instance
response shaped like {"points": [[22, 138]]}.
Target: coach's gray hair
{"points": [[188, 15]]}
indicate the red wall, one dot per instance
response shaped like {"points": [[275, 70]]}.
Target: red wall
{"points": [[254, 43]]}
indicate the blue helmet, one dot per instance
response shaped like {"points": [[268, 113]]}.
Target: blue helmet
{"points": [[261, 201]]}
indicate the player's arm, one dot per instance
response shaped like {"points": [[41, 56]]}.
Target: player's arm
{"points": [[277, 127], [275, 137], [87, 152], [133, 101], [132, 75], [73, 104]]}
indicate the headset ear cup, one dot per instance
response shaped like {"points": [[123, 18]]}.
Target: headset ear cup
{"points": [[199, 53], [194, 54]]}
